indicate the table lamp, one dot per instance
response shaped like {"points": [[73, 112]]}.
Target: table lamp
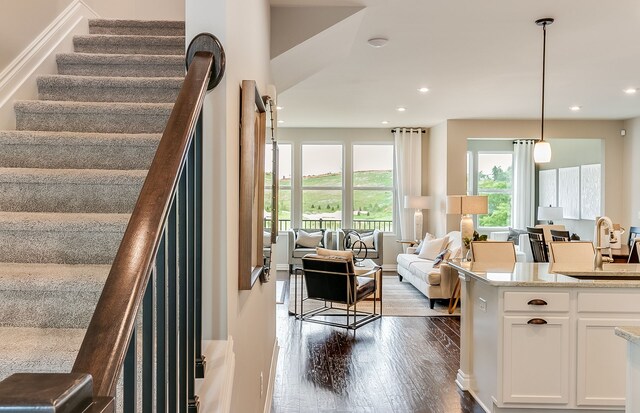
{"points": [[467, 205], [549, 213], [418, 203]]}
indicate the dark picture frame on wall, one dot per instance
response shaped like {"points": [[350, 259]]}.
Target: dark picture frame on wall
{"points": [[251, 190]]}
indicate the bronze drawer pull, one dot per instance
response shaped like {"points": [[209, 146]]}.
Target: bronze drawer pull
{"points": [[537, 301], [537, 321]]}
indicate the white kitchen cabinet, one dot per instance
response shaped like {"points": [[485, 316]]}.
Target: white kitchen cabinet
{"points": [[536, 359]]}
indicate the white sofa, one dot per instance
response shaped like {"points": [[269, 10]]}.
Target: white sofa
{"points": [[435, 283]]}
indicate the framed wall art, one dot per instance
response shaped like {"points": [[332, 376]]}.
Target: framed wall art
{"points": [[590, 191], [251, 202], [569, 191]]}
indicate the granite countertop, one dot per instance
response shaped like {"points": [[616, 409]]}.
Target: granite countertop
{"points": [[530, 274], [630, 333]]}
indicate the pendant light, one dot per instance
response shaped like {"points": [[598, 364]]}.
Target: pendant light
{"points": [[542, 149]]}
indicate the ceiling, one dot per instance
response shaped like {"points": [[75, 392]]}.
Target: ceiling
{"points": [[480, 59]]}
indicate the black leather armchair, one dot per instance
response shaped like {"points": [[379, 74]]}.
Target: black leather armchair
{"points": [[332, 279]]}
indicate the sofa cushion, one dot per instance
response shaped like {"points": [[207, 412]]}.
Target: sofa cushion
{"points": [[301, 252], [421, 268], [431, 249], [405, 260], [309, 240]]}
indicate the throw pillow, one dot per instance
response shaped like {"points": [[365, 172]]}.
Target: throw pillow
{"points": [[442, 256], [431, 249], [324, 252], [266, 238], [427, 237], [368, 241], [351, 238], [514, 235], [308, 240]]}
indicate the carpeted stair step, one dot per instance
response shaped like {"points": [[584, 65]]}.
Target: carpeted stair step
{"points": [[105, 43], [120, 65], [37, 237], [100, 117], [38, 295], [107, 89], [69, 190], [38, 350], [76, 150], [137, 27]]}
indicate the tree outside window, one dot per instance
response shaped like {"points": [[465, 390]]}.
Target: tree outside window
{"points": [[494, 179], [372, 206], [322, 186], [284, 190]]}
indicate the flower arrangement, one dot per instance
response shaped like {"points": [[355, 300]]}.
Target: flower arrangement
{"points": [[476, 237]]}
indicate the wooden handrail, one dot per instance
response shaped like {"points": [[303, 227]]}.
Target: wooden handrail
{"points": [[105, 343]]}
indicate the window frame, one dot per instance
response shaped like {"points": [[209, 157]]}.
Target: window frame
{"points": [[476, 190], [267, 186], [354, 188]]}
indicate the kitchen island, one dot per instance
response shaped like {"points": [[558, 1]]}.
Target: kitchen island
{"points": [[533, 339]]}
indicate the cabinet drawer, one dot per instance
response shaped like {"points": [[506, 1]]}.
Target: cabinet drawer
{"points": [[614, 302], [536, 301]]}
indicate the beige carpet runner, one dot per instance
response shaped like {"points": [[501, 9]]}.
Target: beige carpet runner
{"points": [[398, 299]]}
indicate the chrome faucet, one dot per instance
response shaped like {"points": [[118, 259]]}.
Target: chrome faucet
{"points": [[599, 259]]}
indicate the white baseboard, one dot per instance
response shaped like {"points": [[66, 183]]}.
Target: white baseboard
{"points": [[215, 390], [389, 267], [18, 79], [272, 377]]}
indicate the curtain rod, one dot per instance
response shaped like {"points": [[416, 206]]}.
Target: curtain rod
{"points": [[419, 129]]}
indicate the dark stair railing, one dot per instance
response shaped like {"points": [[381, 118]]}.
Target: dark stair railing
{"points": [[157, 271]]}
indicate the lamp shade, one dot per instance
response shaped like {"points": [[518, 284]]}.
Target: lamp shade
{"points": [[542, 152], [417, 202], [476, 204], [549, 213], [454, 204]]}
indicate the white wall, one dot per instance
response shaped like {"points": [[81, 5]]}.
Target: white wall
{"points": [[434, 172], [563, 156], [297, 136], [631, 174], [248, 316], [458, 131]]}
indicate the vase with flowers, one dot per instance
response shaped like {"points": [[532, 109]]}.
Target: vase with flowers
{"points": [[467, 243]]}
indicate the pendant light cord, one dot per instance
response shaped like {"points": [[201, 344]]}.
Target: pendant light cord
{"points": [[544, 58]]}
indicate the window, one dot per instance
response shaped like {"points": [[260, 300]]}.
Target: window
{"points": [[284, 191], [494, 179], [322, 184], [372, 205]]}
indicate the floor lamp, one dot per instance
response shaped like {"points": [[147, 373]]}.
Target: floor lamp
{"points": [[467, 205], [418, 203]]}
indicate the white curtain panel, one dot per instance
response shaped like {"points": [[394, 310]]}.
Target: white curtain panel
{"points": [[523, 202], [407, 175]]}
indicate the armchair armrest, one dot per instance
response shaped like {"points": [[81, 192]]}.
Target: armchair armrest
{"points": [[378, 241], [291, 244]]}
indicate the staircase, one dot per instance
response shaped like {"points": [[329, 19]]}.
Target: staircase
{"points": [[69, 177]]}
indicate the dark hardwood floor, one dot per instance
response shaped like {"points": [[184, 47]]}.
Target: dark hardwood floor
{"points": [[395, 364]]}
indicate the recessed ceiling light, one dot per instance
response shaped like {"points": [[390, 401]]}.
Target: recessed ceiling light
{"points": [[401, 109], [385, 122], [280, 121], [377, 41], [279, 107], [423, 89], [575, 108], [631, 91]]}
